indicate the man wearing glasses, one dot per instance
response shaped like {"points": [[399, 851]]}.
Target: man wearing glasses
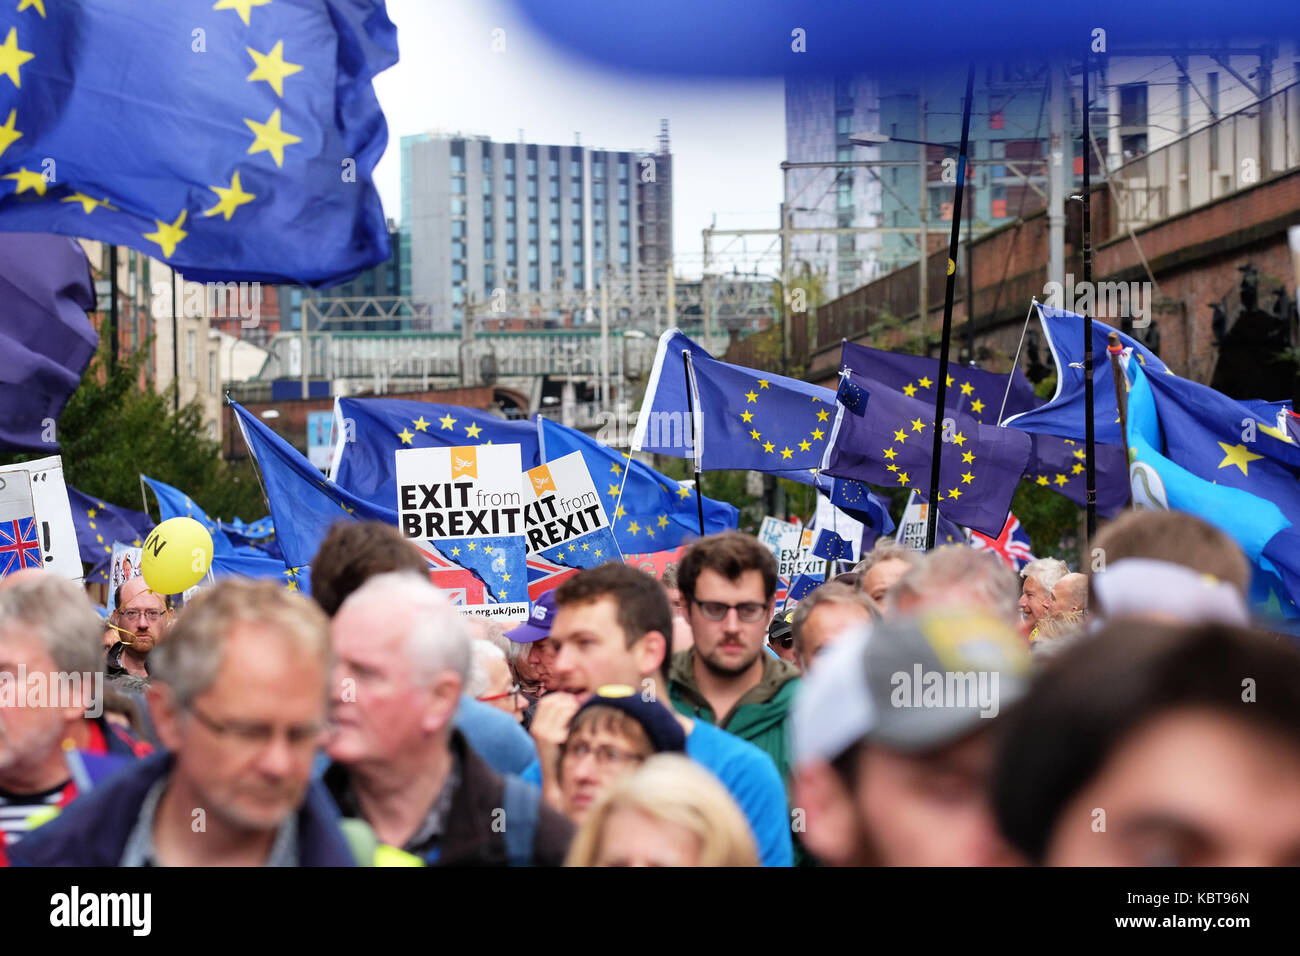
{"points": [[140, 621], [728, 582]]}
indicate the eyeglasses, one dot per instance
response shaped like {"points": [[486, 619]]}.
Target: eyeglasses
{"points": [[749, 612], [606, 756], [131, 615], [258, 736], [514, 689]]}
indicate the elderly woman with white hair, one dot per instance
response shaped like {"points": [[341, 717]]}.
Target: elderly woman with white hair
{"points": [[1036, 605]]}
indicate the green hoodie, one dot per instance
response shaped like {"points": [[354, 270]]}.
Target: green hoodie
{"points": [[760, 716]]}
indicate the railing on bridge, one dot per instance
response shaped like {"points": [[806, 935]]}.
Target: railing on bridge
{"points": [[1234, 153]]}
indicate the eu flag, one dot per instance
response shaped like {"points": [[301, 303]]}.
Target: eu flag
{"points": [[654, 513], [1063, 415], [251, 566], [890, 443], [370, 430], [1204, 465], [746, 419], [46, 340], [174, 503], [99, 525], [303, 504], [234, 140]]}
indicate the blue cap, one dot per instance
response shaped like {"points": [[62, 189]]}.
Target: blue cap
{"points": [[538, 625], [660, 726]]}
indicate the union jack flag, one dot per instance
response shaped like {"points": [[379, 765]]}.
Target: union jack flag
{"points": [[19, 546], [544, 575], [1011, 546], [459, 585]]}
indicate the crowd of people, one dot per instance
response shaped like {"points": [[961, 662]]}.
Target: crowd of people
{"points": [[921, 709]]}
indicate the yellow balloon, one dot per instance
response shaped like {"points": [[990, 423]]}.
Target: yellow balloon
{"points": [[177, 554]]}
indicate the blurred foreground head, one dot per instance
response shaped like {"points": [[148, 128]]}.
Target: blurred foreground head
{"points": [[669, 812], [239, 697], [355, 551], [1157, 745], [894, 739], [959, 576]]}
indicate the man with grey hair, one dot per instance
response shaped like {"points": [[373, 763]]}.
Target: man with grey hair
{"points": [[51, 699], [883, 566], [238, 698], [402, 658], [1036, 605], [830, 612], [958, 575]]}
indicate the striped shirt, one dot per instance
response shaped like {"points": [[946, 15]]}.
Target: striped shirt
{"points": [[17, 809]]}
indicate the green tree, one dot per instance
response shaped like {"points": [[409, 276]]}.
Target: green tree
{"points": [[111, 432]]}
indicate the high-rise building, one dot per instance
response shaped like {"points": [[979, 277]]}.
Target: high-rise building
{"points": [[480, 216]]}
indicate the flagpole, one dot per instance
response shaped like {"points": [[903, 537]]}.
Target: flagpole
{"points": [[1015, 362], [695, 439], [932, 514], [1090, 462]]}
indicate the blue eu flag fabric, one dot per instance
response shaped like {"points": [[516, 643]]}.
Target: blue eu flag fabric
{"points": [[859, 501], [99, 524], [1191, 454], [890, 443], [1063, 415], [252, 566], [303, 504], [747, 419], [46, 340], [802, 586], [655, 513], [234, 140], [829, 545], [1055, 463], [370, 430], [174, 503]]}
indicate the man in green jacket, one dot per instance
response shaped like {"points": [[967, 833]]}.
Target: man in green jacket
{"points": [[728, 583]]}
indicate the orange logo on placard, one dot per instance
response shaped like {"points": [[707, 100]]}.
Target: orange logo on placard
{"points": [[464, 461], [541, 479]]}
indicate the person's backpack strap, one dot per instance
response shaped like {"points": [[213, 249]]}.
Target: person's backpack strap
{"points": [[522, 805]]}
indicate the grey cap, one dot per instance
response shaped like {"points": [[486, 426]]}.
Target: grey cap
{"points": [[912, 684]]}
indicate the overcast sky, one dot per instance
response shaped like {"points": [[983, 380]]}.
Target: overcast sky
{"points": [[727, 138]]}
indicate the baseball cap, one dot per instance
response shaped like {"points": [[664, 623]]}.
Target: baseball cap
{"points": [[540, 617], [1147, 587], [781, 626], [911, 684], [660, 726]]}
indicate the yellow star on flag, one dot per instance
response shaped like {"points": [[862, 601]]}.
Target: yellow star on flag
{"points": [[1079, 453], [242, 7], [762, 383], [613, 491], [505, 576], [917, 425], [633, 527], [1061, 479], [787, 452], [8, 135], [902, 478], [891, 468], [977, 406], [924, 382], [168, 235], [270, 138], [598, 552], [967, 457], [473, 431], [909, 390], [473, 545], [11, 57], [804, 445], [616, 468], [420, 424], [683, 491], [1237, 455], [649, 531], [487, 548], [751, 396], [955, 493], [890, 453], [967, 478], [272, 67], [755, 434], [455, 552], [823, 415], [37, 5], [447, 422], [768, 447], [959, 439], [817, 434], [948, 381], [967, 388], [1076, 469], [1042, 480], [87, 203], [745, 416], [900, 435], [619, 512], [26, 180], [406, 435], [232, 198], [663, 523]]}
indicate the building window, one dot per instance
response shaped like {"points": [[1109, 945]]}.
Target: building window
{"points": [[532, 165], [532, 189], [510, 166], [577, 254], [487, 164], [532, 209], [457, 206], [457, 294], [622, 192], [458, 250], [555, 232], [597, 168], [575, 168], [487, 230], [555, 253], [555, 189], [553, 168], [622, 171], [487, 186], [489, 277], [577, 189], [487, 251], [624, 255], [510, 230], [487, 207], [532, 252], [623, 234], [458, 228], [555, 209], [597, 191], [458, 272], [532, 231], [458, 185], [458, 164], [622, 212], [1133, 105], [212, 431], [844, 123], [510, 189], [534, 283]]}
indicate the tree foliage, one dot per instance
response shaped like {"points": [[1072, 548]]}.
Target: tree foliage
{"points": [[112, 431]]}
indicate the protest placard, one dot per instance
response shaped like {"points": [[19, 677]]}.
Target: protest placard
{"points": [[466, 503], [564, 519], [36, 529], [125, 566]]}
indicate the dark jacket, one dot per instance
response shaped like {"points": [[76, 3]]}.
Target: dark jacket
{"points": [[472, 834], [93, 830]]}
